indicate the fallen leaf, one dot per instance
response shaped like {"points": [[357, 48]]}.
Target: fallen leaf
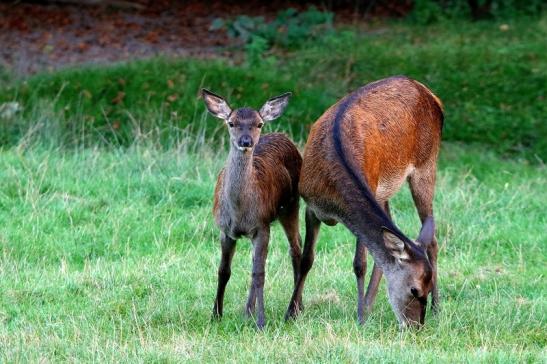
{"points": [[152, 37], [82, 47], [87, 94], [119, 97]]}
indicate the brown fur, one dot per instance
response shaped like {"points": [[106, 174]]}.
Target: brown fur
{"points": [[276, 164], [390, 132], [258, 185], [382, 136]]}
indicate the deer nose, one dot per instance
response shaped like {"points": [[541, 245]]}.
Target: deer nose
{"points": [[245, 141]]}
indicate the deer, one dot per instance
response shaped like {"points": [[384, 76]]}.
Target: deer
{"points": [[258, 185], [358, 155]]}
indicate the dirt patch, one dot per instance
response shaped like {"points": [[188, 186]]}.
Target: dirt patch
{"points": [[42, 35], [46, 37]]}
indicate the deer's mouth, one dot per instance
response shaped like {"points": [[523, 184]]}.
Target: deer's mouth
{"points": [[244, 149]]}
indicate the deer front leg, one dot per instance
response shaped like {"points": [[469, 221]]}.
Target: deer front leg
{"points": [[224, 271], [251, 301], [375, 276], [359, 268], [432, 251], [260, 242], [372, 289]]}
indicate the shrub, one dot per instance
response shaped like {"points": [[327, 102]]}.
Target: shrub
{"points": [[290, 29], [429, 11]]}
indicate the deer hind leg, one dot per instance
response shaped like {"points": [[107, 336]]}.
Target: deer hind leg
{"points": [[375, 277], [291, 227], [224, 271], [422, 187], [312, 231]]}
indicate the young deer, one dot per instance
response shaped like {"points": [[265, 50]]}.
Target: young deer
{"points": [[358, 155], [258, 185]]}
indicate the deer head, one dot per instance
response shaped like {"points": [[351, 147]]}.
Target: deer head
{"points": [[245, 124], [409, 278]]}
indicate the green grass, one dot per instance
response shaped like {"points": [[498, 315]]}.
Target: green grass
{"points": [[491, 81], [111, 255], [108, 250]]}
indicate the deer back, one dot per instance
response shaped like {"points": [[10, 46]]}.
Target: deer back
{"points": [[390, 127]]}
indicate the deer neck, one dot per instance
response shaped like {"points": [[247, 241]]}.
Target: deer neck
{"points": [[239, 176]]}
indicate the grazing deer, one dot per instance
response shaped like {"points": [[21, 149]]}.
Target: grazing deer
{"points": [[258, 185], [358, 155]]}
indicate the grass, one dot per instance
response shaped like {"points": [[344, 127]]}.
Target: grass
{"points": [[491, 80], [108, 251], [111, 255]]}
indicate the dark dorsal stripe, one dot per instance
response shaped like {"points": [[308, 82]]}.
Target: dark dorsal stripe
{"points": [[357, 178]]}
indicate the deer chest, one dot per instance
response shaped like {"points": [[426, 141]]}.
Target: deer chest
{"points": [[238, 218]]}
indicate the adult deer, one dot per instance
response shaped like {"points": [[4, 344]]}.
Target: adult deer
{"points": [[258, 185], [358, 155]]}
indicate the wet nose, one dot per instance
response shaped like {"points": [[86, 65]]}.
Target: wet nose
{"points": [[245, 141]]}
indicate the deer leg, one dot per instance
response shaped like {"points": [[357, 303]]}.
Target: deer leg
{"points": [[372, 288], [290, 225], [432, 252], [260, 242], [224, 271], [359, 268], [422, 187], [251, 301], [306, 262], [375, 276]]}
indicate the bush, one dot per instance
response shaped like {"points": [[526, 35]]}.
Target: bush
{"points": [[428, 11], [290, 29], [491, 79]]}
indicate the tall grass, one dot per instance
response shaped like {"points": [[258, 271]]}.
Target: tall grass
{"points": [[112, 256], [491, 80], [108, 251]]}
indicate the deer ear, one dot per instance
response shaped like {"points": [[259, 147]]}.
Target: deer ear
{"points": [[273, 108], [394, 245], [216, 104], [427, 232]]}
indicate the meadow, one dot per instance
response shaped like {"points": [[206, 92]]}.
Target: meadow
{"points": [[108, 247]]}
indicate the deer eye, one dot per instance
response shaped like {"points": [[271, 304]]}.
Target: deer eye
{"points": [[414, 292], [260, 125], [230, 124]]}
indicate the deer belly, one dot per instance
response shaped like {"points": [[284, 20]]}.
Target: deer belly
{"points": [[388, 185]]}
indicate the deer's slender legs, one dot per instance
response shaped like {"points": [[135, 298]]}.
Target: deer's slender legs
{"points": [[422, 187], [372, 288], [290, 225], [260, 242], [251, 301], [375, 276], [224, 271], [312, 231], [360, 268]]}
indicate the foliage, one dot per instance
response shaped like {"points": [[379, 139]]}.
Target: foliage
{"points": [[490, 76], [255, 50], [289, 29], [111, 256], [429, 11]]}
